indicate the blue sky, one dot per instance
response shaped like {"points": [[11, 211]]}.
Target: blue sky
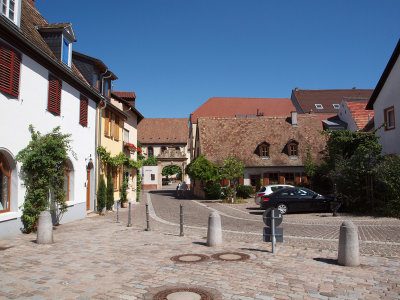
{"points": [[176, 54]]}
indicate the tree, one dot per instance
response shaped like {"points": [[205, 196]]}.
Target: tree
{"points": [[151, 161], [232, 169], [202, 169], [44, 162], [310, 166], [123, 192], [101, 195], [110, 193], [171, 170]]}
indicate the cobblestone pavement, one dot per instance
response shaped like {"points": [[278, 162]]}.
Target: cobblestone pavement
{"points": [[243, 222], [97, 258]]}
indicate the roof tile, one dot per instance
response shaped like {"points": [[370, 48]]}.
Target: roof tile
{"points": [[163, 130]]}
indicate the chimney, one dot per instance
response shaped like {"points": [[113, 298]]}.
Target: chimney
{"points": [[296, 89], [294, 118], [32, 2]]}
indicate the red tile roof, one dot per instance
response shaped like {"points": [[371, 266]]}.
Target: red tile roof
{"points": [[305, 100], [360, 116], [129, 95], [163, 131], [231, 107], [220, 138]]}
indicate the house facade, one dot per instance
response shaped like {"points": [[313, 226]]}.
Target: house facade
{"points": [[237, 107], [273, 149], [125, 101], [385, 102], [40, 85], [166, 139]]}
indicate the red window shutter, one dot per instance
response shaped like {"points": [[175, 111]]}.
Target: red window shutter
{"points": [[10, 65], [54, 101], [83, 112]]}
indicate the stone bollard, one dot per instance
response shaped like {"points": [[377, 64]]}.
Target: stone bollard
{"points": [[214, 234], [45, 229], [348, 253]]}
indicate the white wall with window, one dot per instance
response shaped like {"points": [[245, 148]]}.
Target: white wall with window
{"points": [[30, 106], [387, 110]]}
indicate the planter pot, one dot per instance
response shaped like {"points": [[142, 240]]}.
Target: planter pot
{"points": [[124, 204]]}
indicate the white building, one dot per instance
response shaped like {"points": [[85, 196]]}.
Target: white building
{"points": [[39, 85], [385, 101]]}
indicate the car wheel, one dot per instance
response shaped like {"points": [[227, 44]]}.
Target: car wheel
{"points": [[282, 208]]}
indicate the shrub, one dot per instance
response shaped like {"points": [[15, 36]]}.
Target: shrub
{"points": [[212, 190], [123, 193], [101, 195], [226, 192], [110, 193], [244, 191]]}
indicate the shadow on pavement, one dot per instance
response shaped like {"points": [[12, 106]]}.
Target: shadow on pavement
{"points": [[253, 249], [327, 260], [200, 243]]}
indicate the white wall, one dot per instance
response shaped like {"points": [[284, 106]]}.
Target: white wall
{"points": [[345, 116], [146, 173], [389, 96], [31, 108]]}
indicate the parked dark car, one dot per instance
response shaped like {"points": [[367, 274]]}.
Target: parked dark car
{"points": [[296, 200]]}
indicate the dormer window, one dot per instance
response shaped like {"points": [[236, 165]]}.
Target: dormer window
{"points": [[107, 89], [11, 9], [66, 52], [336, 106], [96, 80], [263, 150], [292, 149], [319, 106]]}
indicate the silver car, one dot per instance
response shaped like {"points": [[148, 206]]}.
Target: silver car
{"points": [[268, 189]]}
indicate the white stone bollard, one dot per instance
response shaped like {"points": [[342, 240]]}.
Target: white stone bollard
{"points": [[45, 228], [348, 253], [214, 233]]}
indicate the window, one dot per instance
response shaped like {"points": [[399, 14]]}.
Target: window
{"points": [[96, 80], [8, 9], [5, 184], [10, 63], [289, 178], [65, 51], [126, 135], [336, 106], [150, 151], [107, 122], [67, 177], [83, 112], [116, 128], [264, 150], [389, 118], [273, 178], [54, 101], [163, 149], [319, 106], [177, 148], [107, 91], [153, 177], [292, 149]]}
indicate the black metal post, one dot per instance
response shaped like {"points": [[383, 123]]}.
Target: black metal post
{"points": [[129, 216], [273, 230], [118, 211], [181, 219], [147, 218]]}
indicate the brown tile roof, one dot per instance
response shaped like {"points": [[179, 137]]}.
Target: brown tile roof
{"points": [[239, 137], [231, 107], [305, 100], [360, 116], [129, 104], [129, 95], [163, 131], [31, 19], [54, 26]]}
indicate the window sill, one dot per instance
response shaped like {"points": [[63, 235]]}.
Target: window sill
{"points": [[389, 128], [6, 216], [265, 157], [293, 157]]}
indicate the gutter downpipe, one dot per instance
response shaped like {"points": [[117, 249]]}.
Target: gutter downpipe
{"points": [[100, 133]]}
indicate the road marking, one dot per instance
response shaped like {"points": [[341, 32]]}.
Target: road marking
{"points": [[158, 219]]}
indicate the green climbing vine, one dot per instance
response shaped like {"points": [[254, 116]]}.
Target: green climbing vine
{"points": [[118, 160], [44, 162]]}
